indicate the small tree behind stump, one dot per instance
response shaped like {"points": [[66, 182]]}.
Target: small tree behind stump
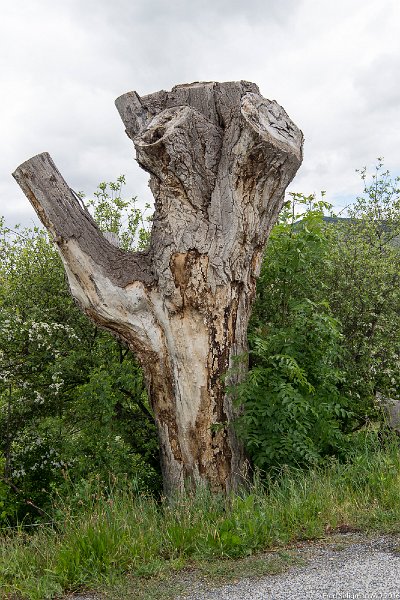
{"points": [[220, 157]]}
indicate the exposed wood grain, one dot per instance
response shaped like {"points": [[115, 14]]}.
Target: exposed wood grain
{"points": [[220, 157]]}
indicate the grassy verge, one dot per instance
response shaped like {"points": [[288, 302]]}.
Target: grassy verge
{"points": [[133, 541]]}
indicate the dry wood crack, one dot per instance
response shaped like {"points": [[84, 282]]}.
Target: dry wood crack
{"points": [[220, 157]]}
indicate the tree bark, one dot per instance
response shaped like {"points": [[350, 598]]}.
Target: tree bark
{"points": [[220, 157]]}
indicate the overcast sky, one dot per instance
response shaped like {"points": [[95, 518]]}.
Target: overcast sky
{"points": [[333, 65]]}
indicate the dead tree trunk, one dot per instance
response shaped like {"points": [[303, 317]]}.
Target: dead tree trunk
{"points": [[220, 157]]}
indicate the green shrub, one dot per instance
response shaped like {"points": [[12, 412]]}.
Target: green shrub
{"points": [[293, 410]]}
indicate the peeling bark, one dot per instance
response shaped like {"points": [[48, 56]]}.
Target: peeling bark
{"points": [[220, 157]]}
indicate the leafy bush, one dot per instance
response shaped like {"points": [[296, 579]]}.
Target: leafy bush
{"points": [[362, 282], [293, 410], [72, 399], [324, 332]]}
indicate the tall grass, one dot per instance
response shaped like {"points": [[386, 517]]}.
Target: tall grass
{"points": [[99, 538]]}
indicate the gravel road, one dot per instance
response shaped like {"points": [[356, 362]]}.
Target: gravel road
{"points": [[349, 569]]}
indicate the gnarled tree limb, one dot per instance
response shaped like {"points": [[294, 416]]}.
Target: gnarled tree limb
{"points": [[220, 157]]}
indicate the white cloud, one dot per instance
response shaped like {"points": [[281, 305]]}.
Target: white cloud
{"points": [[333, 66]]}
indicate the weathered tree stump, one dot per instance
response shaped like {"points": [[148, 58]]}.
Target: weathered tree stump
{"points": [[220, 157]]}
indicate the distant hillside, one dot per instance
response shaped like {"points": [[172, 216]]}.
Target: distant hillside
{"points": [[336, 219]]}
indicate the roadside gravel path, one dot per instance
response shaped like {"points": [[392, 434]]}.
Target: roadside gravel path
{"points": [[349, 569]]}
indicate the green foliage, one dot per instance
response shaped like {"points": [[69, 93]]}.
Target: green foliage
{"points": [[291, 270], [120, 216], [362, 277], [294, 412], [324, 333], [293, 408], [72, 399]]}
